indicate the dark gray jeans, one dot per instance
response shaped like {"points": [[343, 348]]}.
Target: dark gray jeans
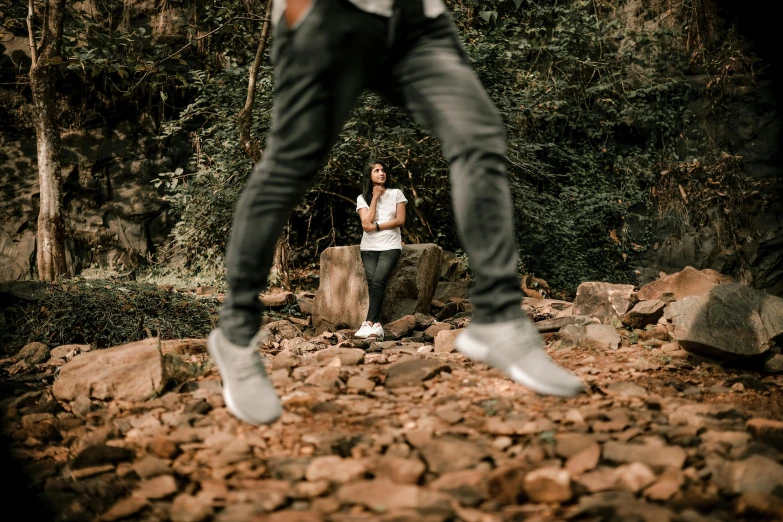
{"points": [[321, 67], [378, 265]]}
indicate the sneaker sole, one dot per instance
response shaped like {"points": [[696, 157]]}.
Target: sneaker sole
{"points": [[515, 373], [226, 391]]}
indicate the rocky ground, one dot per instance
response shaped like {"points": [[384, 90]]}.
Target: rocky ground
{"points": [[401, 430]]}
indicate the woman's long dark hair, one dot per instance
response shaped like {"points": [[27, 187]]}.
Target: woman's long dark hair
{"points": [[367, 182]]}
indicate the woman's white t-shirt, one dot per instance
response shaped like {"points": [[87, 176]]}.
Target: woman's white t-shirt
{"points": [[385, 210]]}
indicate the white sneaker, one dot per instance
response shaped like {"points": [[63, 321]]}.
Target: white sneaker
{"points": [[377, 331], [365, 331], [516, 348]]}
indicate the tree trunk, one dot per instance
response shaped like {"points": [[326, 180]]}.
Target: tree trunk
{"points": [[252, 146], [51, 228], [245, 119]]}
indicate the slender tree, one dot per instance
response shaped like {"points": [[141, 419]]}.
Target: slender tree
{"points": [[252, 146], [245, 119], [51, 227]]}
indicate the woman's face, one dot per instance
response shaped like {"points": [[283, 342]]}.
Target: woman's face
{"points": [[378, 174]]}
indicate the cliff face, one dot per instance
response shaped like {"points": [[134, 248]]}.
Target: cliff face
{"points": [[734, 113], [117, 219]]}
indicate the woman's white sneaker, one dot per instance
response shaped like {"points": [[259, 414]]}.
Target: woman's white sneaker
{"points": [[365, 331], [377, 331]]}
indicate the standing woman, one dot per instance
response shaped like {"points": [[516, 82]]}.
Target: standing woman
{"points": [[382, 211]]}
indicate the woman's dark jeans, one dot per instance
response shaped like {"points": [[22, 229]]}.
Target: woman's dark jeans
{"points": [[377, 267]]}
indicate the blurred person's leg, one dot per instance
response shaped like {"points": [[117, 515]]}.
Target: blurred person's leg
{"points": [[433, 79], [322, 64]]}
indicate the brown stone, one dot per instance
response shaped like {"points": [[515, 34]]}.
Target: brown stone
{"points": [[756, 474], [360, 384], [278, 300], [151, 466], [507, 485], [444, 341], [448, 289], [548, 484], [666, 486], [469, 487], [125, 508], [653, 456], [99, 454], [132, 372], [600, 479], [585, 460], [189, 508], [327, 377], [634, 476], [279, 330], [347, 356], [335, 469], [156, 488], [558, 323], [414, 372], [163, 448], [569, 444], [284, 360], [756, 504], [380, 495], [450, 454], [400, 328], [418, 438], [398, 469], [423, 321], [644, 313], [33, 353], [766, 430], [436, 328], [688, 282]]}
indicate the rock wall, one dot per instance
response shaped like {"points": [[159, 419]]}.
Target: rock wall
{"points": [[734, 109], [114, 215]]}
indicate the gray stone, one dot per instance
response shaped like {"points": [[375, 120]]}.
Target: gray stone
{"points": [[448, 289], [730, 322], [606, 302], [601, 337]]}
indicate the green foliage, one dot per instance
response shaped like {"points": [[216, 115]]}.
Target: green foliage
{"points": [[588, 117], [596, 105], [104, 313], [205, 197]]}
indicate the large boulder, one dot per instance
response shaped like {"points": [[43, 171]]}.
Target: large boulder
{"points": [[682, 284], [606, 302], [131, 372], [445, 290], [730, 322], [342, 299]]}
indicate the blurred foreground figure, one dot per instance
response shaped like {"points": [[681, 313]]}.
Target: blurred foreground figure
{"points": [[326, 52]]}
